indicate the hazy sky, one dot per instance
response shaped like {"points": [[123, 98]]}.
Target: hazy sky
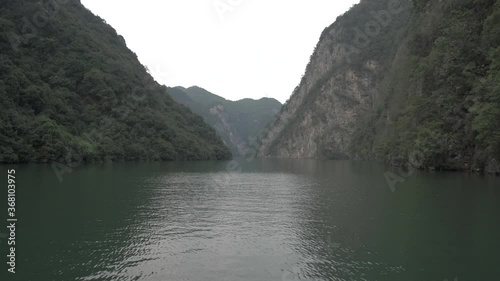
{"points": [[233, 48]]}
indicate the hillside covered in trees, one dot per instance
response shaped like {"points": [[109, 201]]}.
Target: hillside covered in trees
{"points": [[71, 90], [239, 123], [405, 82]]}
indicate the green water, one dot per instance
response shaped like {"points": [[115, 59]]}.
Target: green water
{"points": [[268, 220]]}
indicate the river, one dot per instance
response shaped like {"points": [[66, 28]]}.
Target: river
{"points": [[261, 220]]}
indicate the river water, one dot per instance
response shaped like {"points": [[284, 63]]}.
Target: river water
{"points": [[261, 220]]}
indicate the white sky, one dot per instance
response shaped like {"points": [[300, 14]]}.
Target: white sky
{"points": [[256, 48]]}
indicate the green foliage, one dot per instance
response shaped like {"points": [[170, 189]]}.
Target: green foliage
{"points": [[487, 107], [72, 91], [443, 102]]}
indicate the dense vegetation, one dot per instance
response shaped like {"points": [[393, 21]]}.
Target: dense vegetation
{"points": [[72, 91], [440, 95], [237, 122]]}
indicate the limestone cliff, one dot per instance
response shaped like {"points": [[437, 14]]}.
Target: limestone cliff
{"points": [[400, 81], [339, 84]]}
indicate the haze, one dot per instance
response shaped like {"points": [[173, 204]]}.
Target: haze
{"points": [[233, 48]]}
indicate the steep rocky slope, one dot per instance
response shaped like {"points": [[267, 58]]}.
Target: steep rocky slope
{"points": [[339, 85], [406, 82]]}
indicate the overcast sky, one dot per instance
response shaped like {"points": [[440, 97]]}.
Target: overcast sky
{"points": [[233, 48]]}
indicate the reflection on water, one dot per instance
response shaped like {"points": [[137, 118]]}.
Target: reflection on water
{"points": [[273, 220]]}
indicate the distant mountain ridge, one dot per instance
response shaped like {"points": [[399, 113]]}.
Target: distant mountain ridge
{"points": [[237, 122]]}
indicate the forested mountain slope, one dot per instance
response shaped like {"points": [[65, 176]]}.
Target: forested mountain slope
{"points": [[406, 82], [72, 91], [237, 122]]}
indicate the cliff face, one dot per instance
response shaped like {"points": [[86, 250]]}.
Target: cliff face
{"points": [[339, 85], [405, 82], [324, 128]]}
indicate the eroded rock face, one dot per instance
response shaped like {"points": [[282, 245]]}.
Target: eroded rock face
{"points": [[388, 81], [320, 117]]}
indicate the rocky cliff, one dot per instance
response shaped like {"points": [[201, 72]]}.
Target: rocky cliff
{"points": [[339, 84], [405, 82]]}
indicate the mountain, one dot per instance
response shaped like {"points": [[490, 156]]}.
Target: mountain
{"points": [[238, 122], [405, 82], [71, 91]]}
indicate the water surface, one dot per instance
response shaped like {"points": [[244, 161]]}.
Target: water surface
{"points": [[267, 220]]}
